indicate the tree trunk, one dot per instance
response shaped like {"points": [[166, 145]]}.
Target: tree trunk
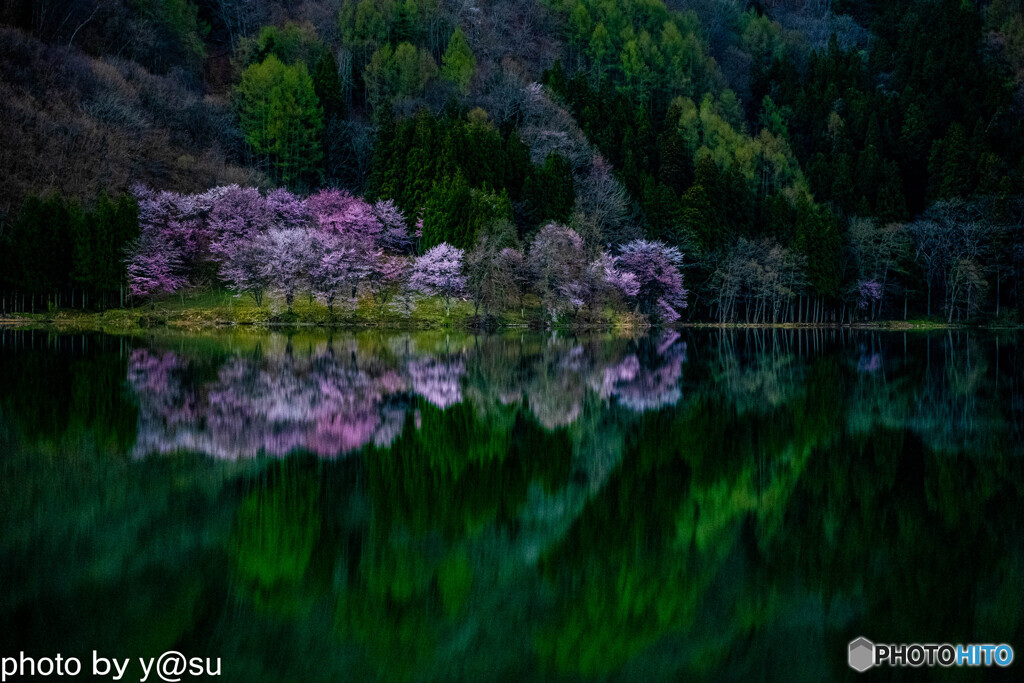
{"points": [[998, 283]]}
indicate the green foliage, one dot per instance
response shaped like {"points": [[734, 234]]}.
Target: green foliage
{"points": [[665, 214], [818, 239], [396, 74], [764, 160], [376, 22], [443, 475], [548, 192], [42, 239], [98, 242], [446, 214], [458, 63], [276, 528], [328, 88], [649, 52], [454, 582], [367, 26], [720, 123], [291, 43], [431, 165], [281, 118], [61, 252], [456, 214], [936, 129], [178, 30], [950, 167]]}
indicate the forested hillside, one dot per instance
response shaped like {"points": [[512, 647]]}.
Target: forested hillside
{"points": [[794, 160]]}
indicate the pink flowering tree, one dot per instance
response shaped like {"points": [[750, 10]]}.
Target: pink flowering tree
{"points": [[337, 267], [394, 235], [342, 213], [294, 257], [239, 223], [247, 266], [286, 210], [239, 214], [439, 272], [157, 262], [153, 266], [655, 266], [389, 275], [181, 222], [559, 267], [511, 266], [607, 278], [870, 294]]}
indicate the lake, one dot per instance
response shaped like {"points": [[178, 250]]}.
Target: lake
{"points": [[437, 506]]}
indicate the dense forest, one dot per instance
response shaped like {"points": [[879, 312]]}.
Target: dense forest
{"points": [[791, 161]]}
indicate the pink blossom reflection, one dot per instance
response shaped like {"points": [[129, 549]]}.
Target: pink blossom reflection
{"points": [[338, 398]]}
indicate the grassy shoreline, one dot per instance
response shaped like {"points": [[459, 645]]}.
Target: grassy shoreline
{"points": [[217, 308], [212, 309]]}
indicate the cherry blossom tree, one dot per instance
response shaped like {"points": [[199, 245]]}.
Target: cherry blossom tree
{"points": [[239, 214], [286, 210], [181, 221], [345, 214], [606, 276], [510, 267], [559, 268], [394, 235], [247, 265], [293, 260], [157, 262], [439, 272], [870, 294], [237, 223], [655, 266], [153, 266], [337, 267], [388, 276]]}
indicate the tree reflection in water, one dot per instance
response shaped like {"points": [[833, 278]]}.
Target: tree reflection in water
{"points": [[332, 402], [437, 506]]}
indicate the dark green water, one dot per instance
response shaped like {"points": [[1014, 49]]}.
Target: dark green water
{"points": [[716, 506]]}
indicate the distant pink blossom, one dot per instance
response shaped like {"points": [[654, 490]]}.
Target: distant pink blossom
{"points": [[656, 268], [439, 272], [870, 293]]}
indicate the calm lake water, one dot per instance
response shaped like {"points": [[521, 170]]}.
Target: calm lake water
{"points": [[712, 505]]}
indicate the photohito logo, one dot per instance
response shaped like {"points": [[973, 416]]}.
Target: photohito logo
{"points": [[863, 654]]}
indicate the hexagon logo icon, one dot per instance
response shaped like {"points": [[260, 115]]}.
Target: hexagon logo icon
{"points": [[862, 654]]}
